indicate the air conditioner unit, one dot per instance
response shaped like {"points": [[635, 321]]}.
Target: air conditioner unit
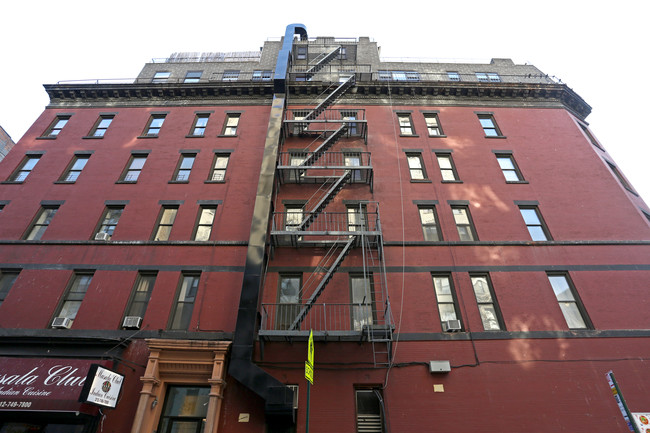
{"points": [[102, 236], [451, 326], [61, 322], [132, 322]]}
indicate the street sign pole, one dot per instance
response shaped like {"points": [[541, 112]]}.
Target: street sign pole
{"points": [[309, 373], [308, 389]]}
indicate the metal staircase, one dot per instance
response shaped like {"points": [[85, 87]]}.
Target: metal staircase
{"points": [[325, 145], [321, 61], [331, 98], [324, 201]]}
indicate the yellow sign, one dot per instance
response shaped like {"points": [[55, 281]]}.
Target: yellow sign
{"points": [[309, 372], [310, 348]]}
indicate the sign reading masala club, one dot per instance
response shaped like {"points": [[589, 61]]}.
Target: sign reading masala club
{"points": [[102, 387], [43, 384]]}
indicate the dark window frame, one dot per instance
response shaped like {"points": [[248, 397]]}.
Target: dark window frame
{"points": [[454, 298], [8, 277], [438, 231], [286, 312], [151, 130], [160, 225], [470, 224], [576, 300], [40, 226], [199, 225], [422, 168], [76, 281], [447, 170], [439, 133], [541, 224], [199, 126], [134, 304], [54, 129], [376, 416], [229, 130], [404, 126], [99, 129], [194, 78], [161, 77], [515, 167], [487, 128], [453, 76], [105, 224], [71, 174], [493, 301], [20, 174], [219, 156], [193, 288], [180, 175], [131, 169], [621, 179]]}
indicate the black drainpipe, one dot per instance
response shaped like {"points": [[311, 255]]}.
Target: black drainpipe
{"points": [[278, 397]]}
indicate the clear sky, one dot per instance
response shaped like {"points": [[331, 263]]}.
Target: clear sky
{"points": [[596, 48]]}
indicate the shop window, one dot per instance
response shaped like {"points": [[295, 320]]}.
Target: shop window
{"points": [[185, 409]]}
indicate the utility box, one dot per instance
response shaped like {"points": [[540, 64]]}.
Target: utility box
{"points": [[439, 367]]}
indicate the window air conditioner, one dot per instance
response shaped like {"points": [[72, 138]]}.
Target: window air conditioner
{"points": [[132, 322], [451, 326], [61, 322], [102, 236]]}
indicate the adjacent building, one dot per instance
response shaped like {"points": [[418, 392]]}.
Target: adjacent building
{"points": [[6, 143], [463, 251]]}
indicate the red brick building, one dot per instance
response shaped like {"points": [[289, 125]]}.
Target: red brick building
{"points": [[465, 252]]}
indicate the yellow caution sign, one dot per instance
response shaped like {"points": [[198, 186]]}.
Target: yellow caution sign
{"points": [[309, 364]]}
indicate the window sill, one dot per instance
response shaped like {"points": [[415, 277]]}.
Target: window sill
{"points": [[420, 181], [214, 181], [451, 181], [46, 138], [126, 181], [92, 137], [496, 136], [11, 182], [147, 136], [195, 136], [410, 135], [226, 136], [437, 136], [64, 182], [179, 181], [517, 181]]}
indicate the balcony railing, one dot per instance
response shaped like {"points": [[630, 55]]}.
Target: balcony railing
{"points": [[333, 319], [320, 167]]}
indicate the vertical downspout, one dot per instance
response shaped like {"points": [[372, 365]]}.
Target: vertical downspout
{"points": [[277, 396]]}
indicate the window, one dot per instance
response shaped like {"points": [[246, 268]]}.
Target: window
{"points": [[40, 223], [230, 125], [487, 305], [185, 409], [299, 127], [293, 217], [219, 167], [161, 77], [352, 126], [76, 166], [289, 293], [110, 218], [192, 76], [204, 223], [133, 168], [429, 221], [620, 177], [182, 310], [199, 125], [262, 75], [343, 53], [453, 76], [566, 295], [488, 77], [353, 159], [399, 76], [301, 53], [165, 223], [447, 167], [25, 167], [464, 223], [357, 217], [433, 124], [184, 167], [509, 168], [230, 76], [7, 279], [416, 166], [590, 136], [153, 126], [369, 410], [535, 224], [446, 298], [362, 297], [74, 295], [102, 124], [489, 125], [56, 126], [141, 294], [405, 124]]}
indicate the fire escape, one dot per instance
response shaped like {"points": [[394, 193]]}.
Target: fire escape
{"points": [[327, 226]]}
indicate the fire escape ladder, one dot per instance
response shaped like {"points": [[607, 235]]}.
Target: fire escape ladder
{"points": [[327, 198], [323, 283], [331, 98], [321, 61], [325, 145]]}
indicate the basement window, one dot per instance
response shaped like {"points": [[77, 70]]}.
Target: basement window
{"points": [[369, 410]]}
